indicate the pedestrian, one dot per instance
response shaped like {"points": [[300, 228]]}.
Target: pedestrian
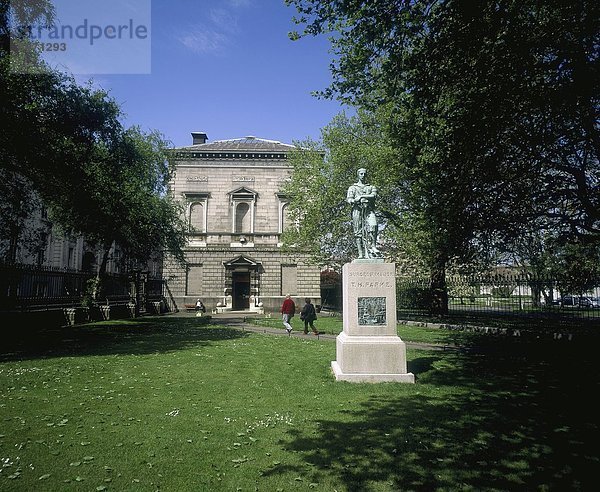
{"points": [[288, 309], [309, 315], [200, 307]]}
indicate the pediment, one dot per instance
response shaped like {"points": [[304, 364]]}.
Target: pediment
{"points": [[241, 261], [243, 190]]}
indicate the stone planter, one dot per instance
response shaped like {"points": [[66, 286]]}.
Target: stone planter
{"points": [[100, 313], [131, 308], [76, 315], [70, 316], [105, 312]]}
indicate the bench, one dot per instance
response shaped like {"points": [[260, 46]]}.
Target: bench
{"points": [[189, 307]]}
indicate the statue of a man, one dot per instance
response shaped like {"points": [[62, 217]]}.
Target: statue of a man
{"points": [[364, 222]]}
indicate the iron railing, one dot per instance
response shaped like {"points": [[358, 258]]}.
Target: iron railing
{"points": [[501, 295], [32, 287]]}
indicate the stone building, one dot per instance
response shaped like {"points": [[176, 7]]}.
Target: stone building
{"points": [[38, 242], [231, 192]]}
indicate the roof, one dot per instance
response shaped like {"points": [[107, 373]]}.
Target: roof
{"points": [[249, 143]]}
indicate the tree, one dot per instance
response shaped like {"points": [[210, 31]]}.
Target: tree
{"points": [[66, 142], [124, 201], [493, 111], [18, 203], [322, 172], [50, 127]]}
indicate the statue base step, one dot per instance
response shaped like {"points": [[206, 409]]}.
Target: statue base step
{"points": [[371, 359]]}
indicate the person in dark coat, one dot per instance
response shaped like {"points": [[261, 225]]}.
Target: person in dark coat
{"points": [[309, 315]]}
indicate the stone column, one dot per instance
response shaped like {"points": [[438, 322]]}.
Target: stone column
{"points": [[369, 348]]}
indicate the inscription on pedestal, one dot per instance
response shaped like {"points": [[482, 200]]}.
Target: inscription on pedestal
{"points": [[371, 311], [369, 300], [369, 348]]}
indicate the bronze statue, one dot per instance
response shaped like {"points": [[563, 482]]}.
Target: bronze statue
{"points": [[364, 222]]}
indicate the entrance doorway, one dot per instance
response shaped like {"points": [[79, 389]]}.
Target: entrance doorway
{"points": [[240, 291]]}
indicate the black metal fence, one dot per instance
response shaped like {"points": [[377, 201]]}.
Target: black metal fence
{"points": [[502, 295], [31, 287]]}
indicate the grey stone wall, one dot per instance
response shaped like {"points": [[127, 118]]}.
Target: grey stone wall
{"points": [[213, 180], [214, 277]]}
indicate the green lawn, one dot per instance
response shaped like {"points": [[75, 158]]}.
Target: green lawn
{"points": [[162, 403], [333, 326]]}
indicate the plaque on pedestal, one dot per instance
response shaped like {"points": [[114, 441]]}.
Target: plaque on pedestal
{"points": [[369, 348]]}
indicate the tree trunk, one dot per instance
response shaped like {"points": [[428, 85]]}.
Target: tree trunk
{"points": [[439, 291], [99, 287]]}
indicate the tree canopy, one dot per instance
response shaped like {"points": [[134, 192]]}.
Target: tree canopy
{"points": [[492, 108], [322, 172], [65, 143]]}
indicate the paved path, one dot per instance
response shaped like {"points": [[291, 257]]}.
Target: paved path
{"points": [[238, 320]]}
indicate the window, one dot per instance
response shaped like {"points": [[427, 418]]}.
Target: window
{"points": [[194, 280], [284, 220], [242, 218], [289, 279], [196, 222], [197, 205], [243, 204]]}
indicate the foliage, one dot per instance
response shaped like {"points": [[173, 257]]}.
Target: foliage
{"points": [[577, 266], [493, 111], [90, 293], [18, 202], [124, 199], [330, 277], [322, 173], [97, 178], [574, 264], [504, 290], [413, 297]]}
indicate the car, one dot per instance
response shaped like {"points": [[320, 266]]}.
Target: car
{"points": [[589, 302], [569, 301]]}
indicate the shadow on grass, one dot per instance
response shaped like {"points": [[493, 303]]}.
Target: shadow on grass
{"points": [[519, 418], [133, 336]]}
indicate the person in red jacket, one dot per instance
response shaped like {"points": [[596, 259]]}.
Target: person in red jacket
{"points": [[288, 309]]}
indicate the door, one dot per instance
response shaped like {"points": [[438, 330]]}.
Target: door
{"points": [[240, 290]]}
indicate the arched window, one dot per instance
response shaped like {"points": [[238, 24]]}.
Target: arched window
{"points": [[286, 221], [284, 217], [243, 206], [197, 205], [196, 223], [242, 218]]}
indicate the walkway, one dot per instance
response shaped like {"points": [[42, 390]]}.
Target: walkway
{"points": [[237, 319]]}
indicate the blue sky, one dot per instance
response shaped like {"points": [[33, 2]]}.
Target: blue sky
{"points": [[226, 67]]}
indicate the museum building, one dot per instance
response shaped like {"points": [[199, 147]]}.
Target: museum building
{"points": [[236, 214]]}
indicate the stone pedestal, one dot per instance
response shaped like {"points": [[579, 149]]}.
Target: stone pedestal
{"points": [[369, 348]]}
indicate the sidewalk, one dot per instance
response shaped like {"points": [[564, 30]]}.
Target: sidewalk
{"points": [[238, 320]]}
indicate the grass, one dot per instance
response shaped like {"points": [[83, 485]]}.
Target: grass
{"points": [[162, 403], [580, 322], [418, 334]]}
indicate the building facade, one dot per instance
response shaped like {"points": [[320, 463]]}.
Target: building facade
{"points": [[236, 213], [38, 242]]}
